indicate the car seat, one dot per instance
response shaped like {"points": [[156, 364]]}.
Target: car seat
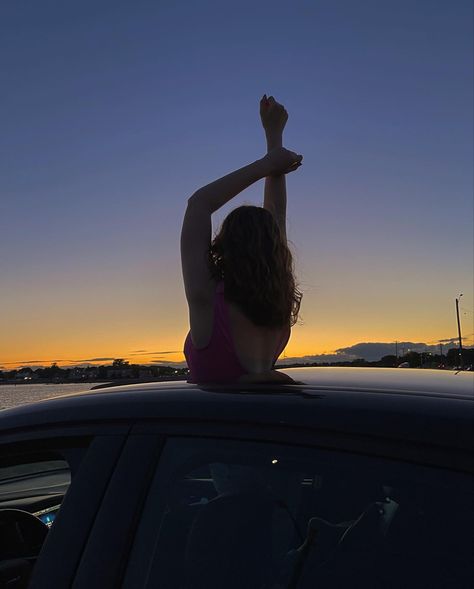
{"points": [[229, 544]]}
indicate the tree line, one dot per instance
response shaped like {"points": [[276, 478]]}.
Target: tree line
{"points": [[450, 360], [119, 369]]}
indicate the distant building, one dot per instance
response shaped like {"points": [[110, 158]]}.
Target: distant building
{"points": [[119, 372], [145, 373], [92, 372], [76, 373], [25, 374]]}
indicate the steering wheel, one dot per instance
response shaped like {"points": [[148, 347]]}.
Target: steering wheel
{"points": [[21, 537]]}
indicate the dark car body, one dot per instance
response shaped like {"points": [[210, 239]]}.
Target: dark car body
{"points": [[355, 477]]}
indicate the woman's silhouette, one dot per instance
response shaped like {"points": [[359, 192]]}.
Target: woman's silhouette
{"points": [[240, 287]]}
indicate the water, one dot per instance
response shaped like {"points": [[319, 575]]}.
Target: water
{"points": [[12, 395]]}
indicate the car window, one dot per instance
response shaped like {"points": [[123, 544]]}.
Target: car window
{"points": [[33, 484], [227, 513], [37, 486]]}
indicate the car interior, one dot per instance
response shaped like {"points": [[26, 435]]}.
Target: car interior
{"points": [[32, 487], [243, 523], [267, 520]]}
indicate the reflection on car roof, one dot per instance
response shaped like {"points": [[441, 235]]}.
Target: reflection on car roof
{"points": [[390, 380], [373, 401]]}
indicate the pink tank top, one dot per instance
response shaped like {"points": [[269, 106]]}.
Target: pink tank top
{"points": [[218, 361]]}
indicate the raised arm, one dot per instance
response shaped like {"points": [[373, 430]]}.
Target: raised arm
{"points": [[274, 116], [196, 229]]}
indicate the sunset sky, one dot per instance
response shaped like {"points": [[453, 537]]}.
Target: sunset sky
{"points": [[114, 113]]}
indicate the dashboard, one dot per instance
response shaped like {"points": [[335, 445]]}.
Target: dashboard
{"points": [[48, 515]]}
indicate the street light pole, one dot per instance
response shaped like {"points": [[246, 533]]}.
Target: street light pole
{"points": [[459, 332]]}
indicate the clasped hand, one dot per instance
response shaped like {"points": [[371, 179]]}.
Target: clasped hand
{"points": [[274, 117], [280, 161]]}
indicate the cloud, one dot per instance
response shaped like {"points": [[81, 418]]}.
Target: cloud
{"points": [[34, 366], [92, 360], [158, 362], [317, 358], [452, 340], [373, 351], [25, 362], [80, 365], [161, 353], [370, 351]]}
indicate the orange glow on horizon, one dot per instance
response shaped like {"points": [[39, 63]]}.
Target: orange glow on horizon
{"points": [[300, 345], [95, 331]]}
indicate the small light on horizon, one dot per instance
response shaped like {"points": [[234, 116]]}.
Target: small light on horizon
{"points": [[274, 461]]}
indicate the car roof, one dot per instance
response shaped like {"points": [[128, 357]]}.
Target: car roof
{"points": [[423, 405]]}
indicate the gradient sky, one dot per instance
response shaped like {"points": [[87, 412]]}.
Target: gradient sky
{"points": [[113, 113]]}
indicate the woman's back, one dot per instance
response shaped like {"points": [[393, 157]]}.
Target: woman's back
{"points": [[224, 345], [256, 347]]}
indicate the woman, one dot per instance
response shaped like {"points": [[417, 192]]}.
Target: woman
{"points": [[240, 287]]}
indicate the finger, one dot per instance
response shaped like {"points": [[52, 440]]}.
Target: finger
{"points": [[292, 168], [296, 157]]}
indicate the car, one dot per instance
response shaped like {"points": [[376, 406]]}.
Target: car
{"points": [[351, 477]]}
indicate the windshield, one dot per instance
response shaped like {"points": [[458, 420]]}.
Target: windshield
{"points": [[34, 478]]}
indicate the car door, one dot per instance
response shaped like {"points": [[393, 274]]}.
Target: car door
{"points": [[112, 532], [258, 508], [58, 476]]}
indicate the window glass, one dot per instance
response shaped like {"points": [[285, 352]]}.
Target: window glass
{"points": [[254, 515], [37, 487], [32, 487]]}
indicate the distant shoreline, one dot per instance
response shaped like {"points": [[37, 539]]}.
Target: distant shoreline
{"points": [[102, 383], [39, 381]]}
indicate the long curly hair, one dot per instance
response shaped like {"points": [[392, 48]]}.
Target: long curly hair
{"points": [[250, 255]]}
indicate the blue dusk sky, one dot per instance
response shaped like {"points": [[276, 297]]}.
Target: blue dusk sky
{"points": [[114, 113]]}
